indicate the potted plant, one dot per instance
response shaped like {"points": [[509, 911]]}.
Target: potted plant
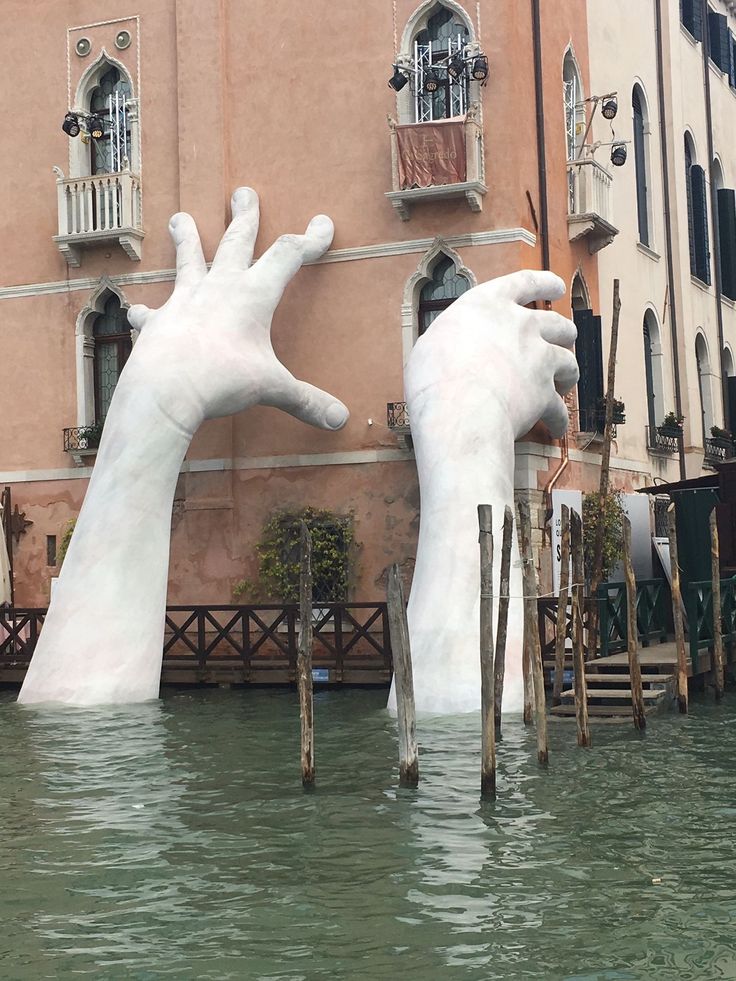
{"points": [[722, 437], [671, 425], [619, 413]]}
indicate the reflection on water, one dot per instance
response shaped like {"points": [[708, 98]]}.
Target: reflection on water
{"points": [[174, 840]]}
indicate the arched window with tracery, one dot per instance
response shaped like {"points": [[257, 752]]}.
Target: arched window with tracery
{"points": [[445, 37], [112, 347], [445, 286], [109, 101]]}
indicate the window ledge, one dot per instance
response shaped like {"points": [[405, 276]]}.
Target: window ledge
{"points": [[728, 301], [688, 36], [650, 253], [472, 191], [700, 284]]}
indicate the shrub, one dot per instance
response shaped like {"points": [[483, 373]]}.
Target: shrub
{"points": [[613, 531]]}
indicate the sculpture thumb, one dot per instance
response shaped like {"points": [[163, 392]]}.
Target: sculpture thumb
{"points": [[138, 315], [309, 403]]}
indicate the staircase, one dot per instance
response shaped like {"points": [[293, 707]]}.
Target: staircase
{"points": [[609, 690]]}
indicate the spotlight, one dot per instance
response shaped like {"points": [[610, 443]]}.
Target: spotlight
{"points": [[71, 125], [618, 155], [610, 107], [431, 81], [480, 68], [456, 67], [397, 80], [96, 127]]}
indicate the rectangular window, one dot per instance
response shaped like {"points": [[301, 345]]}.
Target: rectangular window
{"points": [[718, 38], [727, 239], [51, 550], [691, 15], [732, 60]]}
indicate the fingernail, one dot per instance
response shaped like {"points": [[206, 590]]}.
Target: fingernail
{"points": [[336, 416]]}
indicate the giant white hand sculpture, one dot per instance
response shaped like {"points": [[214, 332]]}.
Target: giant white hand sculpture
{"points": [[485, 372], [206, 353]]}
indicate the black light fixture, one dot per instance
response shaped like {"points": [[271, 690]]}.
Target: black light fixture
{"points": [[480, 68], [431, 81], [456, 67], [610, 107], [397, 80], [71, 124], [619, 154], [96, 127]]}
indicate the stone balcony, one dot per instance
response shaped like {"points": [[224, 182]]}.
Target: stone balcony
{"points": [[590, 207], [465, 180], [104, 209]]}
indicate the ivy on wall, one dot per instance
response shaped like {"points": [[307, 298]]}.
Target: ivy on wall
{"points": [[613, 530], [279, 553]]}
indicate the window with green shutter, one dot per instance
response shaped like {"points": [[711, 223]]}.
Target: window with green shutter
{"points": [[589, 354], [719, 41], [700, 224], [727, 241], [691, 15]]}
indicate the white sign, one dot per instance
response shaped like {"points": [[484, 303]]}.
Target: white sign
{"points": [[574, 500]]}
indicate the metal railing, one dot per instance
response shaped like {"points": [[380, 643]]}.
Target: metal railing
{"points": [[78, 438], [718, 449], [397, 416]]}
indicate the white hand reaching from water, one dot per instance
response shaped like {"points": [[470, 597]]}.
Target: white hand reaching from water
{"points": [[206, 353], [487, 370]]}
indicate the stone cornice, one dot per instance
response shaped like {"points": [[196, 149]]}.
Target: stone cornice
{"points": [[501, 236]]}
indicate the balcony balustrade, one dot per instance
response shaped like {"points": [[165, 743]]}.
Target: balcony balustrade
{"points": [[661, 440], [718, 449], [437, 160], [590, 212], [99, 210]]}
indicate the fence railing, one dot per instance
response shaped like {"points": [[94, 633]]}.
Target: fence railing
{"points": [[652, 614], [698, 597], [343, 634], [590, 189], [397, 415]]}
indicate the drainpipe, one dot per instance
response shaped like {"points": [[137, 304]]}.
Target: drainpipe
{"points": [[541, 145], [714, 208], [667, 202], [544, 216]]}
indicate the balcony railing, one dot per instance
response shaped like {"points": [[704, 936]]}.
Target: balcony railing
{"points": [[397, 417], [460, 140], [718, 449], [590, 212], [99, 210], [665, 442]]}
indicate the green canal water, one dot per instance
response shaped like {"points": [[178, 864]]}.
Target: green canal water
{"points": [[173, 840]]}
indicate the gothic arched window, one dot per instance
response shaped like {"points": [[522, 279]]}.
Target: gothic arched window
{"points": [[445, 36], [641, 163], [113, 344], [109, 101], [445, 286]]}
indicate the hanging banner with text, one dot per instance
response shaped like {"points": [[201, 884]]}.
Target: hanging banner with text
{"points": [[431, 153]]}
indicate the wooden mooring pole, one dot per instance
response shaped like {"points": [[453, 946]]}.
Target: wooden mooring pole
{"points": [[637, 696], [531, 619], [403, 679], [499, 661], [488, 727], [578, 637], [715, 568], [304, 659], [682, 698], [561, 624]]}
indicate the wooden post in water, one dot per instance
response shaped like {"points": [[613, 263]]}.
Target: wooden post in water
{"points": [[531, 618], [578, 638], [499, 661], [404, 680], [715, 563], [561, 624], [637, 697], [677, 611], [488, 728], [304, 658]]}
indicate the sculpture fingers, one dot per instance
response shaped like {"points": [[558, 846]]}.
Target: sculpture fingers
{"points": [[565, 370], [556, 418], [190, 265], [279, 264], [526, 286], [306, 402], [235, 251], [138, 314], [556, 329]]}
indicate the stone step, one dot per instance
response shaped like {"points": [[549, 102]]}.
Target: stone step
{"points": [[616, 693], [596, 711], [625, 679]]}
